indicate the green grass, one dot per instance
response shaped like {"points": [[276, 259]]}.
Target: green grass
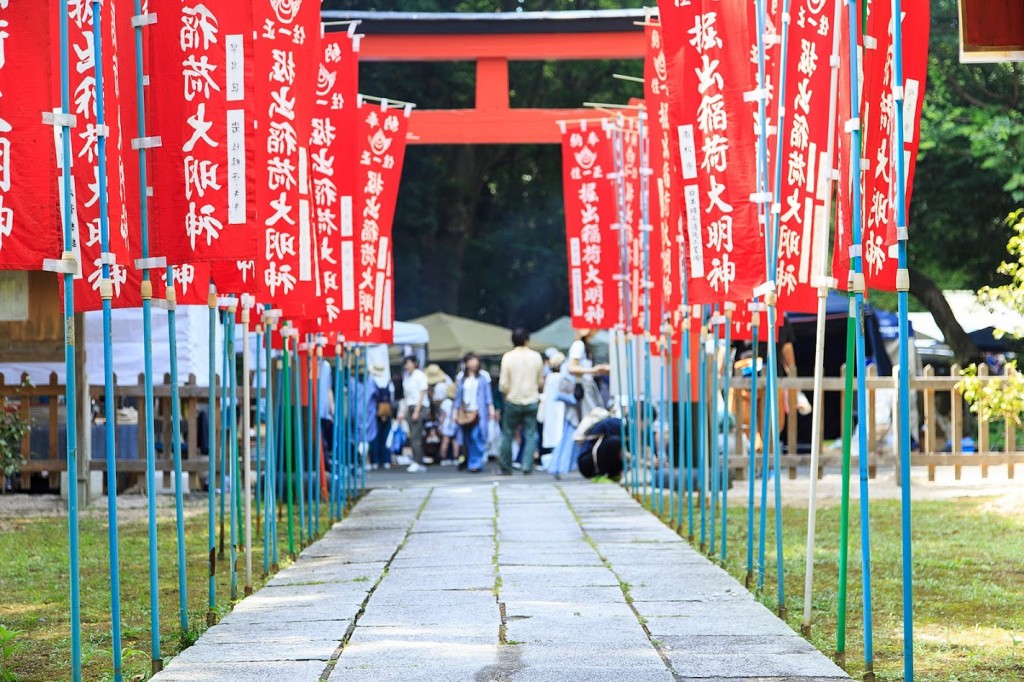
{"points": [[968, 586], [34, 596]]}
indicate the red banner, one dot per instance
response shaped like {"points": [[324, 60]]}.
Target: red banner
{"points": [[30, 229], [333, 150], [204, 168], [120, 176], [879, 126], [844, 186], [709, 70], [287, 54], [664, 148], [805, 192], [590, 212], [381, 132]]}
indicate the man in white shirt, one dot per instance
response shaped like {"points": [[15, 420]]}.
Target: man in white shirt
{"points": [[520, 379], [416, 401]]}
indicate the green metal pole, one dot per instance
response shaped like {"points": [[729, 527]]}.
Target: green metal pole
{"points": [[844, 509]]}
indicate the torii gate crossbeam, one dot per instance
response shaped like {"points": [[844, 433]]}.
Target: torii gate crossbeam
{"points": [[492, 40]]}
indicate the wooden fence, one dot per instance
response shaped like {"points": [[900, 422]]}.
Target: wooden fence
{"points": [[43, 407], [944, 417]]}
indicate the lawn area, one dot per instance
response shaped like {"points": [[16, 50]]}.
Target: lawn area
{"points": [[34, 590], [968, 585]]}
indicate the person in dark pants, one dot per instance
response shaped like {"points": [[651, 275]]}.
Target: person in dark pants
{"points": [[325, 402], [520, 380]]}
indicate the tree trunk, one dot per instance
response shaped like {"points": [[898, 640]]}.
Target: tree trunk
{"points": [[930, 295], [441, 271]]}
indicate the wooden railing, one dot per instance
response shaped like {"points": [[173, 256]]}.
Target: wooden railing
{"points": [[43, 406], [943, 416]]}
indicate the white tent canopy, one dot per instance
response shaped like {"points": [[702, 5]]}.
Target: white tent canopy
{"points": [[193, 347], [126, 334], [972, 315]]}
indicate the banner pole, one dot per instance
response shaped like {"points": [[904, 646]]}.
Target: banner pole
{"points": [[225, 400], [106, 294], [755, 318], [726, 375], [147, 310], [903, 305], [312, 529], [246, 443], [336, 511], [363, 460], [179, 504], [688, 406], [257, 491], [300, 450], [844, 509], [346, 433], [286, 421], [858, 289], [211, 454], [70, 395], [270, 449], [232, 429], [716, 456], [702, 428], [817, 416]]}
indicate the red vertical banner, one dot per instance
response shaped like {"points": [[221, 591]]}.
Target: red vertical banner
{"points": [[843, 217], [633, 222], [333, 153], [805, 192], [287, 55], [590, 212], [120, 177], [665, 213], [202, 172], [380, 138], [879, 125], [30, 228], [709, 59]]}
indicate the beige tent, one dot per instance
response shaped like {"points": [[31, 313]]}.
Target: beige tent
{"points": [[452, 337]]}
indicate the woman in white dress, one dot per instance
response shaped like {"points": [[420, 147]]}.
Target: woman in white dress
{"points": [[551, 413]]}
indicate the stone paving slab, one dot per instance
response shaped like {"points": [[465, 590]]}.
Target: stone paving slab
{"points": [[505, 583]]}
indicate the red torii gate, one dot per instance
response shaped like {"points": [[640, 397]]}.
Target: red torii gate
{"points": [[492, 40]]}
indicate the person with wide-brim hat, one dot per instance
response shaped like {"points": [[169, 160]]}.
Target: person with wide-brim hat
{"points": [[382, 399]]}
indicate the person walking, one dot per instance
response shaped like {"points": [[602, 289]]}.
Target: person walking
{"points": [[417, 402], [474, 412], [383, 396], [520, 379]]}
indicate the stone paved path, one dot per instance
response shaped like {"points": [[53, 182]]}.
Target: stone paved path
{"points": [[508, 583]]}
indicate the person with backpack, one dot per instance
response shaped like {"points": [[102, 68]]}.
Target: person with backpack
{"points": [[382, 399]]}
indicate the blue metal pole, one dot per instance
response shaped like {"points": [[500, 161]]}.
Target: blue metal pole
{"points": [[300, 453], [260, 403], [337, 416], [225, 402], [903, 303], [179, 505], [858, 289], [716, 319], [313, 529], [232, 429], [702, 427], [688, 405], [366, 389], [755, 315], [269, 498], [147, 309], [70, 395], [211, 453], [727, 365], [247, 303]]}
